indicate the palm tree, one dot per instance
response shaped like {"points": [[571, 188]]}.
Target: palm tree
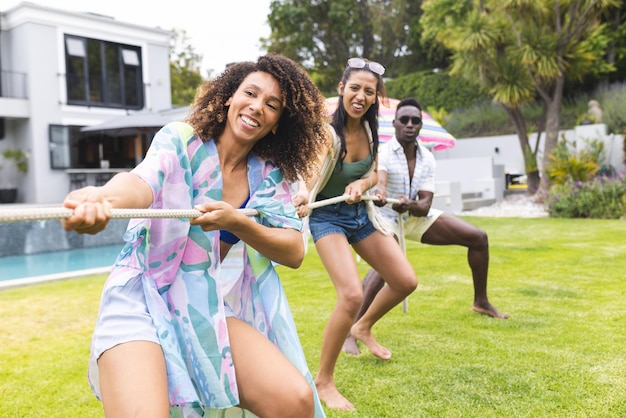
{"points": [[481, 53], [519, 49]]}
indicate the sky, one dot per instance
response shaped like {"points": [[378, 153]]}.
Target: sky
{"points": [[222, 31]]}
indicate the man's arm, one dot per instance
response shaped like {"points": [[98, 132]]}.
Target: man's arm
{"points": [[421, 206], [424, 199]]}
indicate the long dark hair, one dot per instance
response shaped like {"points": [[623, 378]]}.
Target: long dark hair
{"points": [[371, 116]]}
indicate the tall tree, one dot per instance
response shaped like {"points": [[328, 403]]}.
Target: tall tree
{"points": [[519, 48], [323, 34], [185, 64], [480, 42], [557, 40], [615, 20]]}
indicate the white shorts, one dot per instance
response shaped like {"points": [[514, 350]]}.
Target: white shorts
{"points": [[123, 317], [416, 226]]}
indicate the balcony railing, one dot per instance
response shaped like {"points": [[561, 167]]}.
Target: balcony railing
{"points": [[13, 85]]}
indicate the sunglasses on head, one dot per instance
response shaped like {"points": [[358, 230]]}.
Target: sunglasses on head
{"points": [[415, 120], [358, 63]]}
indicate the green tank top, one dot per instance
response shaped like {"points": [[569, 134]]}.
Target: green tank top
{"points": [[344, 174]]}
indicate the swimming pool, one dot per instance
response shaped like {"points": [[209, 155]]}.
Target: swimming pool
{"points": [[58, 263]]}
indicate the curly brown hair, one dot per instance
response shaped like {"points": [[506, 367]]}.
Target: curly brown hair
{"points": [[301, 128]]}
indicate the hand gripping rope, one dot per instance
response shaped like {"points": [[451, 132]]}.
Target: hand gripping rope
{"points": [[50, 213]]}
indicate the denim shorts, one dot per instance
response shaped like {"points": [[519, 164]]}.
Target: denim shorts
{"points": [[350, 221]]}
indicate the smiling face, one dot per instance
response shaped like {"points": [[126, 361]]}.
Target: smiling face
{"points": [[359, 92], [255, 108]]}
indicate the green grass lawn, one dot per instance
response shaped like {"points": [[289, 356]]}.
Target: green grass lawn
{"points": [[561, 354]]}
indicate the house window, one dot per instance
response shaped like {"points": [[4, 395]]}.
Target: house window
{"points": [[64, 146], [71, 148], [103, 74]]}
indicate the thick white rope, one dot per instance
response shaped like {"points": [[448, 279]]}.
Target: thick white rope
{"points": [[49, 213]]}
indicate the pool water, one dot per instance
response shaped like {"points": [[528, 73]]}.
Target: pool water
{"points": [[57, 262]]}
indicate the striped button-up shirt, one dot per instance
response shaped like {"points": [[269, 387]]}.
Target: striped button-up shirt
{"points": [[391, 159]]}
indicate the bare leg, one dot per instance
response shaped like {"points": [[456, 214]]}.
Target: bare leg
{"points": [[385, 255], [450, 230], [133, 381], [372, 283], [350, 346], [269, 384], [338, 259]]}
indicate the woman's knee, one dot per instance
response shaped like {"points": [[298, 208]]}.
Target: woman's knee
{"points": [[350, 299], [410, 285], [133, 377], [405, 284], [302, 403], [296, 402]]}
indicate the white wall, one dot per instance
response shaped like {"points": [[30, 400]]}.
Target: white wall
{"points": [[479, 165], [476, 175], [505, 149], [613, 144]]}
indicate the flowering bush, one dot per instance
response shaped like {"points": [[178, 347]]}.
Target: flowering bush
{"points": [[602, 197], [568, 164]]}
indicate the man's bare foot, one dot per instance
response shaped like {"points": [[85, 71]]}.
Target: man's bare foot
{"points": [[329, 394], [490, 310], [350, 346], [366, 337]]}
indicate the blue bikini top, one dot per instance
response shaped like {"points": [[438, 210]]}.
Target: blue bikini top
{"points": [[229, 237]]}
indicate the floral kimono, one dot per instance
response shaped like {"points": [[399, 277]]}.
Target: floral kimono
{"points": [[186, 286]]}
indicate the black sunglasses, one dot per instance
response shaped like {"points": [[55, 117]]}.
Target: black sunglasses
{"points": [[415, 120]]}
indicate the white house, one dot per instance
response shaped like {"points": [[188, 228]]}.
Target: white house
{"points": [[63, 70]]}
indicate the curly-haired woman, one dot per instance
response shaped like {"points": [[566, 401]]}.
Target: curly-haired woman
{"points": [[193, 318]]}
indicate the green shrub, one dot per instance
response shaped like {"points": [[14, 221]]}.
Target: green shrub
{"points": [[483, 118], [567, 164], [602, 197], [471, 112], [435, 90], [486, 118]]}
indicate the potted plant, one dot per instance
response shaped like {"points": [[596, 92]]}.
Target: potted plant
{"points": [[13, 162]]}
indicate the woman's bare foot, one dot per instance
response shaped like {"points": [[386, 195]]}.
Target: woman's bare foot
{"points": [[490, 310], [350, 346], [329, 394], [366, 337]]}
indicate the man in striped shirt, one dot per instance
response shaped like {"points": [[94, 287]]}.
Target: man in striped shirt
{"points": [[406, 172]]}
